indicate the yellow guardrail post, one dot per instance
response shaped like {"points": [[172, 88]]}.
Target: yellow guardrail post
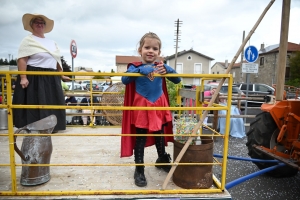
{"points": [[226, 134], [11, 135]]}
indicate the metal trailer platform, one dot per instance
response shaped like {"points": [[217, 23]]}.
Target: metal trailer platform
{"points": [[83, 181]]}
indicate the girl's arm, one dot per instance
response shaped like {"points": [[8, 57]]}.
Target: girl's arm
{"points": [[132, 69], [170, 70], [128, 79]]}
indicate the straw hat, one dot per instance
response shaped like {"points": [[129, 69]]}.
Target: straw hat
{"points": [[28, 17]]}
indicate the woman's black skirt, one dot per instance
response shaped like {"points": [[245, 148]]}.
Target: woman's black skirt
{"points": [[41, 90]]}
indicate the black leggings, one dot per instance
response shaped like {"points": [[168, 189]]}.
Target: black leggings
{"points": [[141, 142]]}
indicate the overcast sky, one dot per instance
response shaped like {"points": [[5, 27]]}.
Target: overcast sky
{"points": [[103, 29]]}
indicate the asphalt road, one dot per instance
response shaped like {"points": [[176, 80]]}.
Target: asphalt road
{"points": [[261, 187]]}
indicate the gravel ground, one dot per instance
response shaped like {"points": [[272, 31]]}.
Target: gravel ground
{"points": [[261, 187]]}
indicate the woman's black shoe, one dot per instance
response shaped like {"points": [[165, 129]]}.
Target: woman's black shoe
{"points": [[139, 176]]}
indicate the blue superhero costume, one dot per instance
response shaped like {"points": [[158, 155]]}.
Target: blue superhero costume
{"points": [[146, 92]]}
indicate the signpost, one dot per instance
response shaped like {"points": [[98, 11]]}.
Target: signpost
{"points": [[73, 51], [250, 68], [251, 55]]}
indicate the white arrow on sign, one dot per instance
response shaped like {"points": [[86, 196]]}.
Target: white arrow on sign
{"points": [[250, 68]]}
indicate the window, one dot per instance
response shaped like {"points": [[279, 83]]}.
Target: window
{"points": [[262, 88], [197, 70], [189, 57], [244, 87], [179, 68], [262, 61], [287, 73]]}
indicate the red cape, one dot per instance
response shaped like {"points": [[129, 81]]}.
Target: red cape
{"points": [[128, 142]]}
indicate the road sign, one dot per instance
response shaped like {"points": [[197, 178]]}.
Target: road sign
{"points": [[250, 68], [73, 49], [251, 54]]}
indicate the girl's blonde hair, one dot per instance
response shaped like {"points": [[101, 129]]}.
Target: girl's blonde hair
{"points": [[149, 35]]}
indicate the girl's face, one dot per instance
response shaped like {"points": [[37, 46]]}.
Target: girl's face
{"points": [[150, 50]]}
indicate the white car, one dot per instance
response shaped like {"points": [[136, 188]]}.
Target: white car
{"points": [[77, 86]]}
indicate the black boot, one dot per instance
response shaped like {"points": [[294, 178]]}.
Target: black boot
{"points": [[164, 159], [139, 176]]}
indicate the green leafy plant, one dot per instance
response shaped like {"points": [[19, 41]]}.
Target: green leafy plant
{"points": [[172, 91]]}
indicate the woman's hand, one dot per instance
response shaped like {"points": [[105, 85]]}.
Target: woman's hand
{"points": [[65, 78], [24, 82]]}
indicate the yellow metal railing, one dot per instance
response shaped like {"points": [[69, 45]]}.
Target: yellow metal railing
{"points": [[219, 184]]}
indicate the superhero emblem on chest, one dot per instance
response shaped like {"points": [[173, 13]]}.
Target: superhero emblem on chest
{"points": [[150, 76]]}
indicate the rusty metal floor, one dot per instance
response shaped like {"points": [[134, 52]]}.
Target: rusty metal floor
{"points": [[92, 150]]}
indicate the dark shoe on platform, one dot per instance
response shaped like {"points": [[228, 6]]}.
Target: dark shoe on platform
{"points": [[54, 131], [166, 158], [139, 176]]}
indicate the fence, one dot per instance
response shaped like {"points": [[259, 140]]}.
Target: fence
{"points": [[14, 189]]}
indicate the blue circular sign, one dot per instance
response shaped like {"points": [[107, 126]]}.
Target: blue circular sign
{"points": [[251, 54]]}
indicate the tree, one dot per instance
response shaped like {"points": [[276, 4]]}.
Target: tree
{"points": [[13, 62], [294, 70], [65, 66], [5, 62]]}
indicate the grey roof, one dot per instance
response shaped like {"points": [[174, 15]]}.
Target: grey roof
{"points": [[185, 52], [268, 49]]}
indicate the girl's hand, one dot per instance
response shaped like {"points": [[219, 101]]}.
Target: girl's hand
{"points": [[24, 82], [160, 68], [150, 76]]}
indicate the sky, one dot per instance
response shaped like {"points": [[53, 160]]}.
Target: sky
{"points": [[103, 29]]}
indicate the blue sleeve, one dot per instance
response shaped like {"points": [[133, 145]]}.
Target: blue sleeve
{"points": [[128, 79], [170, 70], [132, 69]]}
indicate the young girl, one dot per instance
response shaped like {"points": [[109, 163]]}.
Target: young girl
{"points": [[147, 91]]}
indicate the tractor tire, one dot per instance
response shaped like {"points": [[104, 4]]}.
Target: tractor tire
{"points": [[260, 133]]}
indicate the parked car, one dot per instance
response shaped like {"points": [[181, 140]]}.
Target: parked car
{"points": [[95, 86], [76, 86], [256, 90], [84, 83], [224, 92], [105, 86]]}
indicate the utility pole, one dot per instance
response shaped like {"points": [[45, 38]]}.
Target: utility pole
{"points": [[177, 32], [242, 58], [281, 63]]}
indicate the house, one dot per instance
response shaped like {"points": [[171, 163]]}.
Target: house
{"points": [[122, 62], [267, 63], [81, 69], [236, 70], [190, 62]]}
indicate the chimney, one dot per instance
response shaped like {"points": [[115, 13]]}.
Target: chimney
{"points": [[262, 46], [226, 64]]}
